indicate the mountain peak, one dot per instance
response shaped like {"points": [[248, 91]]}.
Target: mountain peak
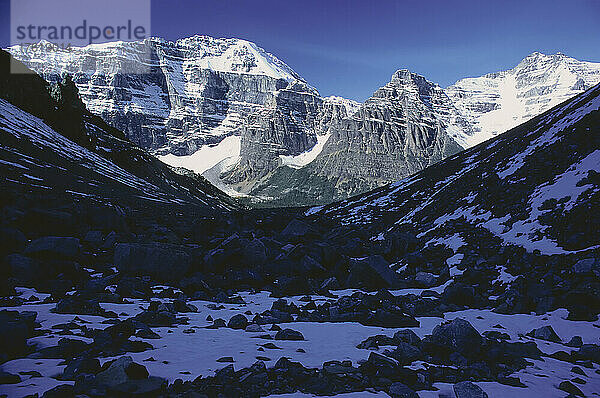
{"points": [[537, 56], [405, 76]]}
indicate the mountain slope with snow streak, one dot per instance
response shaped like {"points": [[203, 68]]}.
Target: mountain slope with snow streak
{"points": [[536, 186], [58, 147]]}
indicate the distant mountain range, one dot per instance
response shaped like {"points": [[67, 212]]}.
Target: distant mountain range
{"points": [[227, 109]]}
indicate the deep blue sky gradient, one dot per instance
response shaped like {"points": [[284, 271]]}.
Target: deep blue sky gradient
{"points": [[352, 47]]}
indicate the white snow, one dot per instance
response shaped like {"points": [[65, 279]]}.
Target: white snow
{"points": [[207, 156], [301, 160]]}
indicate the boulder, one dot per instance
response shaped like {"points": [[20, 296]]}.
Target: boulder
{"points": [[545, 333], [466, 389], [79, 366], [238, 321], [570, 388], [407, 336], [254, 252], [135, 371], [380, 365], [289, 334], [53, 247], [404, 353], [78, 305], [93, 238], [161, 261], [15, 329], [425, 279], [589, 352], [371, 273], [254, 328], [459, 294], [585, 266], [459, 335], [134, 287], [296, 230], [575, 341], [116, 373], [399, 390]]}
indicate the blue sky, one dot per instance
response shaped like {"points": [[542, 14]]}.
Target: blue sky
{"points": [[351, 47]]}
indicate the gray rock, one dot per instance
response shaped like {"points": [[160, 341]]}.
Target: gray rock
{"points": [[116, 372], [585, 266], [425, 279], [545, 333], [575, 341], [570, 388], [162, 261], [53, 247], [15, 329], [399, 390], [238, 321], [372, 272], [93, 238], [459, 335], [78, 366], [288, 334], [254, 328], [296, 229], [407, 336], [466, 389], [405, 353]]}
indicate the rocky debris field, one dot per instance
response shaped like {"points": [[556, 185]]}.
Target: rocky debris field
{"points": [[101, 301]]}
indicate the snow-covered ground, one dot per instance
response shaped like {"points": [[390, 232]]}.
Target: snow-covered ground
{"points": [[186, 355]]}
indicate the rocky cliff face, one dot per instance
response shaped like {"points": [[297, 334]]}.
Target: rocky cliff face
{"points": [[188, 93], [497, 102], [404, 127], [286, 126]]}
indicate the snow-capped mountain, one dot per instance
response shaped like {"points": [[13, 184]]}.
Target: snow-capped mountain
{"points": [[189, 93], [228, 110], [497, 102]]}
